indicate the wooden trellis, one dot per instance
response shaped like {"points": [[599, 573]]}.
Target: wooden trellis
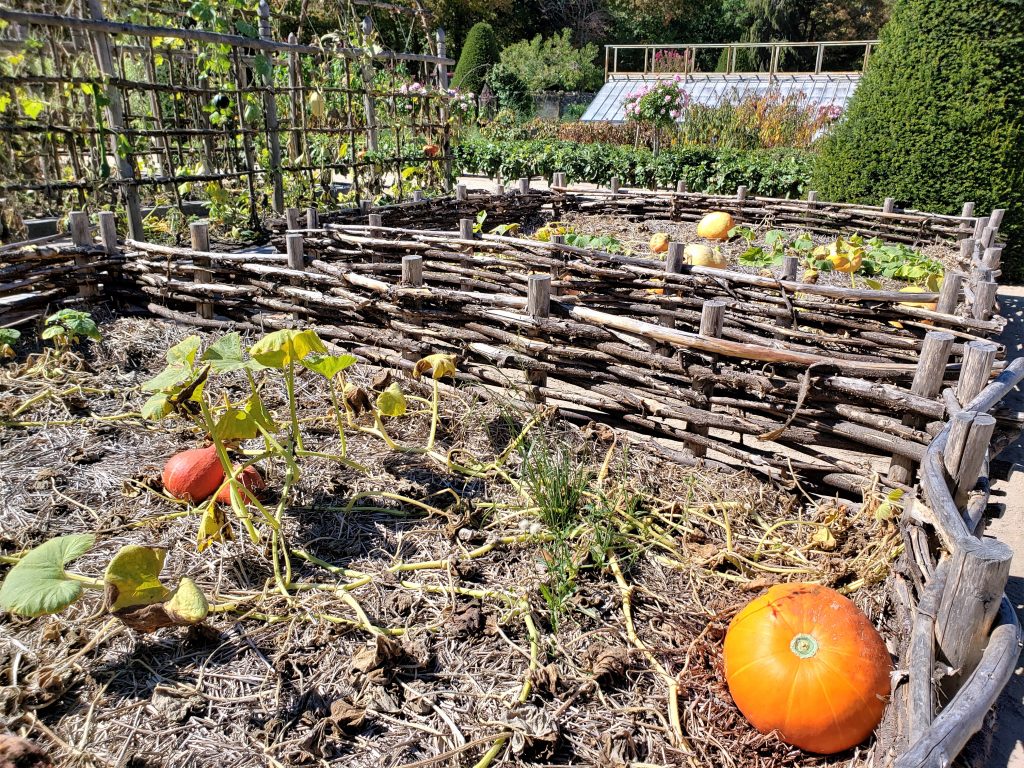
{"points": [[97, 113]]}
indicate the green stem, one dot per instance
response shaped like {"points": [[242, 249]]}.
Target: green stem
{"points": [[434, 417], [289, 380], [337, 416]]}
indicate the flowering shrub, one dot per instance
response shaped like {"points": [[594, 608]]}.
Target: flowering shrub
{"points": [[757, 121], [660, 105], [671, 60], [414, 96]]}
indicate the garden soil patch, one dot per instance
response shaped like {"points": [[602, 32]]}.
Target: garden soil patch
{"points": [[433, 618]]}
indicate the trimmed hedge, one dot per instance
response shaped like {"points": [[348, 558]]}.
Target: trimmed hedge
{"points": [[937, 118], [479, 54], [773, 173]]}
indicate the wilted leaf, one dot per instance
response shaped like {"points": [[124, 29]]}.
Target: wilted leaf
{"points": [[610, 664], [823, 539], [347, 716], [377, 662], [184, 351], [545, 679], [37, 583], [133, 577], [329, 366], [357, 399], [438, 365], [188, 604], [465, 620], [213, 526], [284, 347], [391, 402], [889, 508]]}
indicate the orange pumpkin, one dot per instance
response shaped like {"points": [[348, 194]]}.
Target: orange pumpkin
{"points": [[431, 150], [803, 660], [250, 478], [193, 475]]}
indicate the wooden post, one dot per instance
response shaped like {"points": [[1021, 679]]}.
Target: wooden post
{"points": [[988, 237], [295, 102], [790, 264], [270, 117], [741, 193], [466, 229], [365, 206], [442, 81], [81, 236], [108, 232], [460, 192], [992, 257], [931, 368], [681, 188], [674, 261], [995, 219], [889, 205], [115, 118], [812, 199], [556, 270], [294, 245], [966, 212], [291, 217], [369, 103], [959, 428], [712, 321], [984, 299], [499, 189], [979, 226], [538, 305], [949, 296], [967, 250], [524, 186], [614, 185], [975, 369], [417, 195], [199, 233], [977, 576], [312, 219], [975, 449], [374, 220], [412, 271]]}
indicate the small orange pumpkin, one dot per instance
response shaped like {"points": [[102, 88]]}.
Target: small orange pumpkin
{"points": [[193, 475], [250, 478], [431, 150], [803, 660]]}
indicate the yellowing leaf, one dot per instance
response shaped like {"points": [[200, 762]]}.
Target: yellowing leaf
{"points": [[824, 539], [133, 577], [391, 402], [213, 526], [188, 605], [282, 348], [439, 366]]}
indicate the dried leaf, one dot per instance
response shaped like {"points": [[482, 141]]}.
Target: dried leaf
{"points": [[610, 664], [438, 366], [357, 399], [376, 662], [534, 733], [347, 716], [465, 620], [823, 539], [545, 679], [21, 753]]}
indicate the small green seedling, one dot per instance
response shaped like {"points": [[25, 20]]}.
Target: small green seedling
{"points": [[8, 338], [69, 327], [132, 591]]}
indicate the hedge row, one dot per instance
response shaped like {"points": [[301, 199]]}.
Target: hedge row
{"points": [[773, 173]]}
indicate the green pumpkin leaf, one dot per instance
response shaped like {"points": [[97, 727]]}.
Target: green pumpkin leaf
{"points": [[133, 577], [258, 411], [37, 584], [9, 335], [226, 355], [329, 366], [284, 347], [184, 351], [188, 604], [53, 331], [391, 402]]}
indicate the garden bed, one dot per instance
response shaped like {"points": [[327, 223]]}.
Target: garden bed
{"points": [[471, 613], [832, 394]]}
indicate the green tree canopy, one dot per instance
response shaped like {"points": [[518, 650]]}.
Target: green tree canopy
{"points": [[479, 54], [553, 63], [936, 119]]}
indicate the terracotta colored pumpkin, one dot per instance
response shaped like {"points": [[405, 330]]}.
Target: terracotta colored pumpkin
{"points": [[803, 660], [193, 475], [250, 478], [715, 226], [431, 150]]}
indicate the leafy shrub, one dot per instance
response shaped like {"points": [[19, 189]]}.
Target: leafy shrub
{"points": [[756, 121], [658, 105], [553, 64], [779, 173], [573, 113], [936, 119], [510, 91], [479, 54]]}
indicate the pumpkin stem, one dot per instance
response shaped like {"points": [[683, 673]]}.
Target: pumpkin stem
{"points": [[804, 646]]}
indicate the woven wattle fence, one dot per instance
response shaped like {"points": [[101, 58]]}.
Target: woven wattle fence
{"points": [[708, 367]]}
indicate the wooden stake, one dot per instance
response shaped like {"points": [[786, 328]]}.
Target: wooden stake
{"points": [[81, 236], [931, 369], [978, 572], [949, 297], [294, 242], [812, 199], [270, 117], [959, 428], [984, 299], [889, 205], [108, 232], [712, 321], [524, 186], [975, 449], [412, 271], [538, 305], [975, 369], [614, 185], [199, 233], [369, 103], [460, 192], [995, 219], [741, 193], [291, 217], [466, 229], [312, 219]]}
